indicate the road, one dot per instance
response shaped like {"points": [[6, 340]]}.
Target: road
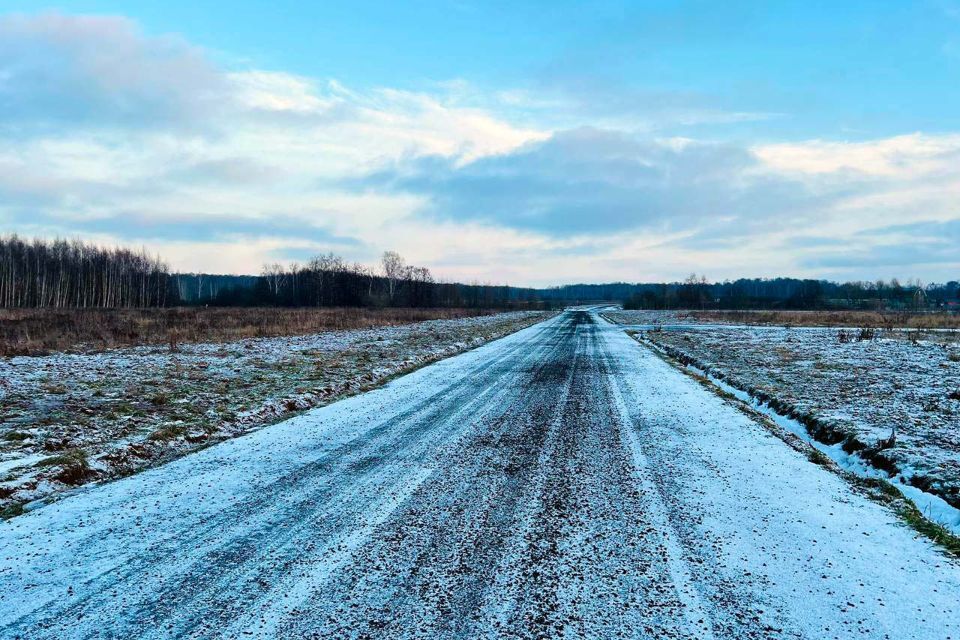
{"points": [[562, 482]]}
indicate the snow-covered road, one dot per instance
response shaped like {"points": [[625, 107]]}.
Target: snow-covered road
{"points": [[561, 482]]}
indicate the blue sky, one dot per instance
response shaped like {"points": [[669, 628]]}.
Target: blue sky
{"points": [[533, 143], [835, 70]]}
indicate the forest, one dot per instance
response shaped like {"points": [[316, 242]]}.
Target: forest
{"points": [[330, 281], [72, 274], [696, 292], [64, 274]]}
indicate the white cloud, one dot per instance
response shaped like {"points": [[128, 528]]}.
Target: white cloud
{"points": [[272, 145], [280, 92], [95, 70], [900, 157]]}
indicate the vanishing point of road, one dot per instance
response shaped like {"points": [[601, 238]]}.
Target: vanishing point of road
{"points": [[562, 482]]}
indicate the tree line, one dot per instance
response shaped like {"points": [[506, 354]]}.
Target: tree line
{"points": [[74, 274], [330, 281], [67, 274], [695, 292]]}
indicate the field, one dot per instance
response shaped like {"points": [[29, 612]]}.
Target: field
{"points": [[875, 319], [39, 331], [892, 397], [70, 418]]}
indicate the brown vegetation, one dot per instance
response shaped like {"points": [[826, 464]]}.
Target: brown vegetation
{"points": [[75, 418], [38, 331], [877, 319]]}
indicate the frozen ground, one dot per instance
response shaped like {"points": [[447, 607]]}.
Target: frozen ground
{"points": [[69, 419], [643, 317], [563, 482], [849, 390], [933, 323]]}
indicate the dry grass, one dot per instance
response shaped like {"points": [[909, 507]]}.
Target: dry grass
{"points": [[39, 331], [879, 319], [74, 467]]}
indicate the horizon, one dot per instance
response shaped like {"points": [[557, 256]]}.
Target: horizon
{"points": [[492, 144], [376, 268]]}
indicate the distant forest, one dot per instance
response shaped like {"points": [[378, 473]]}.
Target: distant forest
{"points": [[73, 274], [791, 293]]}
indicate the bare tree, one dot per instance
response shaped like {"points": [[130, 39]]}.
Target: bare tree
{"points": [[322, 270], [394, 269], [73, 274], [420, 284], [275, 276]]}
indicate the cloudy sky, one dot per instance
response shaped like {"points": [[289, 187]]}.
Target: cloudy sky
{"points": [[528, 143]]}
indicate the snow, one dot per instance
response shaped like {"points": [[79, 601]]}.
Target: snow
{"points": [[563, 481], [933, 507], [863, 388], [129, 408], [783, 519], [21, 461]]}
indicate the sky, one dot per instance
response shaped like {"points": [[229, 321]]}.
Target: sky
{"points": [[529, 143]]}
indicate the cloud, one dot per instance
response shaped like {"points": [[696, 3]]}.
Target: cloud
{"points": [[104, 71], [592, 182], [899, 157], [114, 134], [93, 70], [806, 208], [897, 248], [611, 104], [198, 227], [122, 136]]}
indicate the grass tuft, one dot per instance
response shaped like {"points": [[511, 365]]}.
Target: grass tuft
{"points": [[167, 433], [816, 456], [159, 399], [11, 511], [74, 466]]}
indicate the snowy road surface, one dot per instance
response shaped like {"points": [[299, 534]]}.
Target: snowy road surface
{"points": [[561, 482]]}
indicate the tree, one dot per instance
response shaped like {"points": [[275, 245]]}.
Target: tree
{"points": [[394, 268], [274, 274], [63, 274]]}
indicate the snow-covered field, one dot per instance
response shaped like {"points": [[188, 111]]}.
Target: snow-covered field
{"points": [[845, 389], [645, 317], [68, 419], [564, 482]]}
